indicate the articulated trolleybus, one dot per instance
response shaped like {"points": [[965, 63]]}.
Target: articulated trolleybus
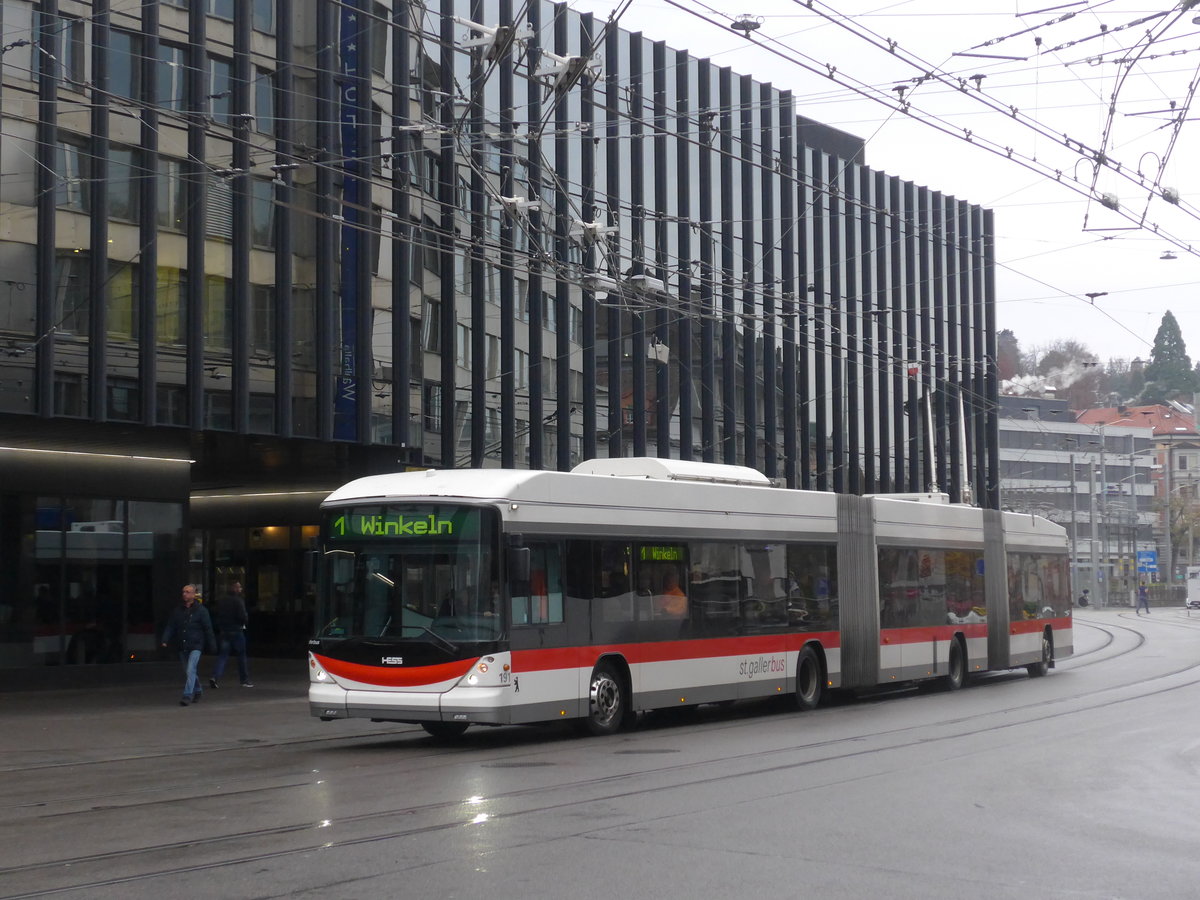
{"points": [[459, 597]]}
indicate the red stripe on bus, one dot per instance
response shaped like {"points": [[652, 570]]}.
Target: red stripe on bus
{"points": [[395, 676], [1032, 626], [892, 636], [666, 651]]}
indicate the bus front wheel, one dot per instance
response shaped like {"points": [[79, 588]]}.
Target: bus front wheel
{"points": [[608, 703], [808, 679]]}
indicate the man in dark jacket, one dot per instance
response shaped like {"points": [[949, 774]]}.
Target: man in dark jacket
{"points": [[190, 630], [230, 616]]}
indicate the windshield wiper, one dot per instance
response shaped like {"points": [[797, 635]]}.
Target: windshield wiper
{"points": [[446, 644]]}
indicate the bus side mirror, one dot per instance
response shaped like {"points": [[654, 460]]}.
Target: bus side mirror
{"points": [[518, 565]]}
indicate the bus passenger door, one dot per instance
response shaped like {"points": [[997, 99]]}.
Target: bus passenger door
{"points": [[545, 658]]}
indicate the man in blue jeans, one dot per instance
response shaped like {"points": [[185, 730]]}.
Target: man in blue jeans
{"points": [[190, 630], [231, 627], [1143, 601]]}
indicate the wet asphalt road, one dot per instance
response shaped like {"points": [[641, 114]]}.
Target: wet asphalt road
{"points": [[1081, 784]]}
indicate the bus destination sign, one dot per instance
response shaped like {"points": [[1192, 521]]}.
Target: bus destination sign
{"points": [[661, 554], [394, 524]]}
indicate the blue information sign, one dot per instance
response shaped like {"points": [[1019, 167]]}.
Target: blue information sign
{"points": [[1147, 560]]}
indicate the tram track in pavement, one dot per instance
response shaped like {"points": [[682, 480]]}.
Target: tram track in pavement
{"points": [[680, 774]]}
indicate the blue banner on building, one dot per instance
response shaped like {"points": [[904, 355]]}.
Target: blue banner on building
{"points": [[345, 403]]}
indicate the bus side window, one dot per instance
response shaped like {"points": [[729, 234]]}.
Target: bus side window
{"points": [[540, 601], [614, 600]]}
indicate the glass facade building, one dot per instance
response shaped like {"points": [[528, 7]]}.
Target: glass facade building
{"points": [[249, 250]]}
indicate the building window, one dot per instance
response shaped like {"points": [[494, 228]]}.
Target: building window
{"points": [[433, 174], [264, 101], [169, 305], [433, 407], [262, 213], [172, 404], [431, 331], [74, 164], [218, 215], [462, 345], [170, 71], [218, 312], [220, 88], [378, 23], [218, 410], [576, 325], [262, 413], [521, 369], [123, 180], [124, 63], [123, 399], [491, 275], [263, 16], [262, 319], [122, 292], [67, 61], [68, 394], [222, 9], [416, 264], [171, 196], [71, 292], [493, 356], [431, 258]]}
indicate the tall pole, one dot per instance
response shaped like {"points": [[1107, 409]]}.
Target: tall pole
{"points": [[1074, 530], [1104, 529], [1092, 533], [1133, 515], [1170, 563], [1133, 518]]}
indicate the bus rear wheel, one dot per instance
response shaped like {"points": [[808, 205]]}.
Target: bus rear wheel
{"points": [[608, 704], [808, 679], [444, 730], [956, 674], [1038, 669]]}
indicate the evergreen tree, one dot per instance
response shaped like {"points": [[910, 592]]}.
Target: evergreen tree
{"points": [[1008, 355], [1169, 373]]}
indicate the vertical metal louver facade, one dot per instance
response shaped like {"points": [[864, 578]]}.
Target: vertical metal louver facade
{"points": [[371, 224]]}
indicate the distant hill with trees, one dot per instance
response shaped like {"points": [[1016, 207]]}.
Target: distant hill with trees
{"points": [[1076, 375]]}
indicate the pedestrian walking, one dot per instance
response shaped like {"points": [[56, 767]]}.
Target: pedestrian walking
{"points": [[230, 616], [190, 631], [1143, 599]]}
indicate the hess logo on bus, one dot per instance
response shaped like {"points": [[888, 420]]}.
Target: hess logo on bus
{"points": [[392, 660]]}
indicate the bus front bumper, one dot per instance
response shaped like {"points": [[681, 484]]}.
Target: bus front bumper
{"points": [[470, 705]]}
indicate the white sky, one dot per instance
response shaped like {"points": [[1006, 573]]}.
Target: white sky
{"points": [[1047, 261]]}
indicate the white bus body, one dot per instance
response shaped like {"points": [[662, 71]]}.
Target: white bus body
{"points": [[781, 592]]}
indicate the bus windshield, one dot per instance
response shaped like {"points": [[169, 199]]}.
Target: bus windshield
{"points": [[426, 572]]}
